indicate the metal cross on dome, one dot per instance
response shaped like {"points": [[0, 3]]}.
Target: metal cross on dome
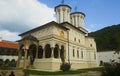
{"points": [[76, 8], [62, 2]]}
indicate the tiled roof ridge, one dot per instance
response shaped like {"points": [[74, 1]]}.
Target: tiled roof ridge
{"points": [[8, 44], [9, 41]]}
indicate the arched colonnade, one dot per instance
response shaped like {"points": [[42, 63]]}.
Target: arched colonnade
{"points": [[30, 50]]}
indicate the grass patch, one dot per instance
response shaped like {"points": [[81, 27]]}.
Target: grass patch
{"points": [[93, 69], [35, 72], [7, 68]]}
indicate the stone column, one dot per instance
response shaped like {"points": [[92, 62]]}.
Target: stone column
{"points": [[65, 14], [25, 58], [57, 16], [68, 16], [58, 53], [61, 15], [64, 54], [43, 53], [72, 20], [52, 52], [19, 57], [79, 21], [76, 21]]}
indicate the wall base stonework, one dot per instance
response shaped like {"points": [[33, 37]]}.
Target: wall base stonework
{"points": [[53, 64], [49, 64], [82, 64]]}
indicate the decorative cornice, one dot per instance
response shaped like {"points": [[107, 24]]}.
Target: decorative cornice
{"points": [[78, 13], [52, 36], [53, 23], [63, 6], [79, 29]]}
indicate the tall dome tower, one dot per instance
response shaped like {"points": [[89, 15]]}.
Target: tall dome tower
{"points": [[62, 13], [77, 19]]}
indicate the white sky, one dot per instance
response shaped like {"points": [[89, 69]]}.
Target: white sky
{"points": [[17, 16]]}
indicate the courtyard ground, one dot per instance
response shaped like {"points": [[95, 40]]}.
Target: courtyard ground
{"points": [[20, 73]]}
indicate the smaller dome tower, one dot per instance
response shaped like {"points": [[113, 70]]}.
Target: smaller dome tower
{"points": [[62, 13], [77, 19]]}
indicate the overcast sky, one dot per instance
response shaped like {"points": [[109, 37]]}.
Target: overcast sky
{"points": [[18, 16]]}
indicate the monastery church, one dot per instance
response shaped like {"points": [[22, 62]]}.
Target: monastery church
{"points": [[66, 40]]}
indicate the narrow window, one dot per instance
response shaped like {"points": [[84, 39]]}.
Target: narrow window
{"points": [[74, 39], [94, 55], [90, 45], [73, 53], [77, 53], [79, 40], [81, 54]]}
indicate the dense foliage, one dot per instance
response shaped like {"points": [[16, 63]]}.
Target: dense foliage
{"points": [[107, 38], [111, 70], [65, 67]]}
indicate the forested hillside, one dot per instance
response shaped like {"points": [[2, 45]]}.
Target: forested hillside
{"points": [[107, 38]]}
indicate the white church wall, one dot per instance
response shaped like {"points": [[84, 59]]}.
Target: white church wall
{"points": [[43, 32], [90, 43], [76, 36], [108, 56], [4, 57]]}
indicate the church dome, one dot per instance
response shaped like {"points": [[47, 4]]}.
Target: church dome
{"points": [[77, 19], [62, 13]]}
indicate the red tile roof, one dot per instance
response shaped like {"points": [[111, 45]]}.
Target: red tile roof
{"points": [[8, 44]]}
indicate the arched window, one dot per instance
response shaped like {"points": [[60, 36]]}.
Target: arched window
{"points": [[13, 63], [47, 51], [7, 63], [40, 52], [56, 49], [81, 17], [1, 62]]}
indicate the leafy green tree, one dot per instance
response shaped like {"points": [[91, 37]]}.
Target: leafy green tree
{"points": [[107, 38]]}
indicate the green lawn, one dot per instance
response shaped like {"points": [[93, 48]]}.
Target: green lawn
{"points": [[35, 72], [7, 68]]}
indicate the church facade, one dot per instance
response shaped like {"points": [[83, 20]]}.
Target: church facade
{"points": [[48, 46]]}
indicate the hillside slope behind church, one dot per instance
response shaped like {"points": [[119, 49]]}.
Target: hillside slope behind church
{"points": [[107, 38]]}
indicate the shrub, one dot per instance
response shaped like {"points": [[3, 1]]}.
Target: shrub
{"points": [[65, 67], [111, 70]]}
